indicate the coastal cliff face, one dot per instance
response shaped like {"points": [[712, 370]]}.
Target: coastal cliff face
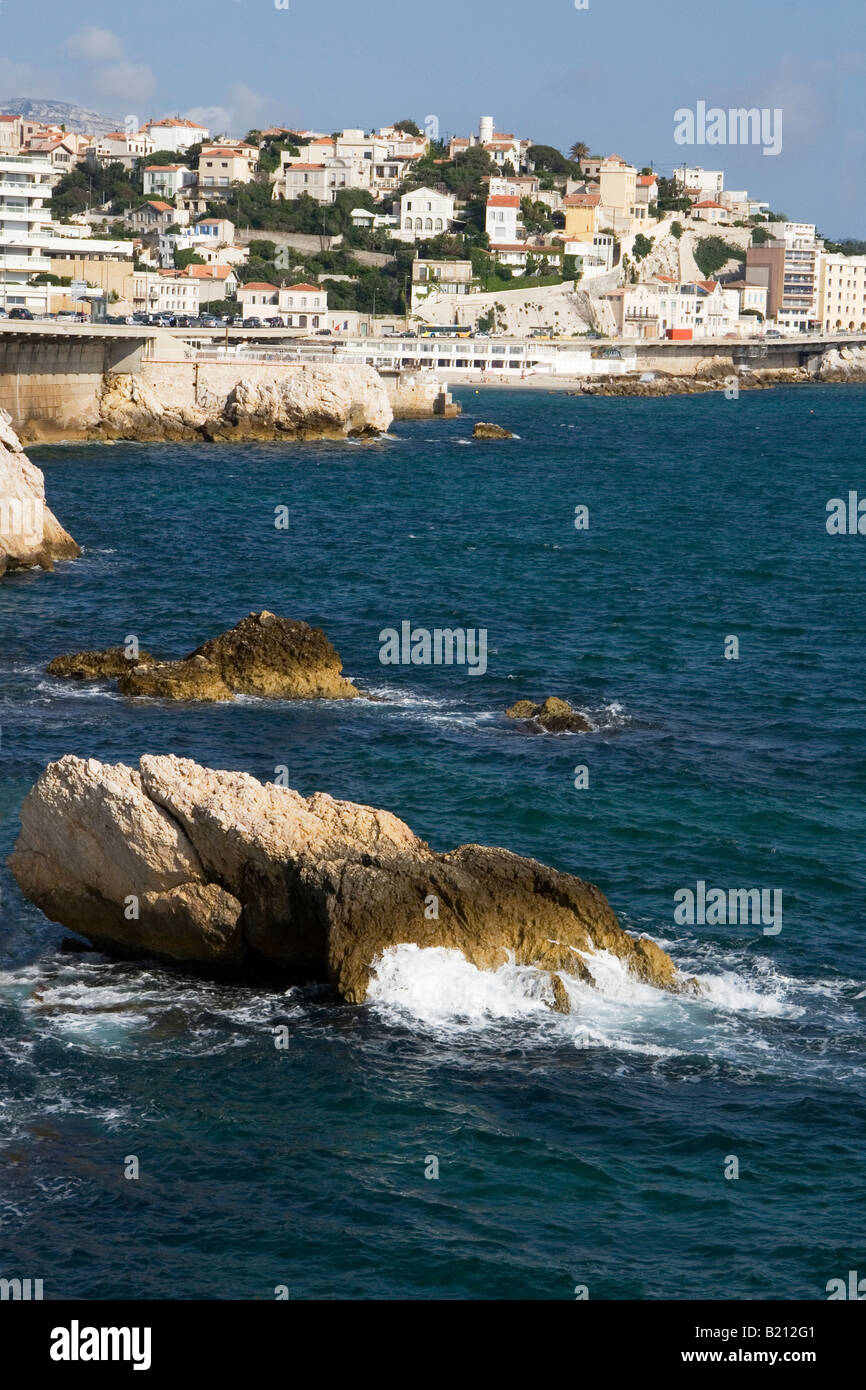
{"points": [[304, 402], [216, 869], [30, 533]]}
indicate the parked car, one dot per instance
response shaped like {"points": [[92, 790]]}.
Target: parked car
{"points": [[207, 321], [773, 333], [253, 323], [275, 323], [323, 332], [20, 314]]}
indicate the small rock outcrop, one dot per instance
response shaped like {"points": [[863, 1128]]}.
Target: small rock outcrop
{"points": [[30, 533], [554, 716], [216, 869], [97, 666], [276, 658], [316, 401], [485, 430]]}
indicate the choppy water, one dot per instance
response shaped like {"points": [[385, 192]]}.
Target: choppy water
{"points": [[587, 1149]]}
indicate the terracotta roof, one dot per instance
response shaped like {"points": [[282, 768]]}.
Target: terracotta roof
{"points": [[159, 207], [258, 285], [646, 179], [208, 272], [502, 200], [583, 200], [177, 121], [229, 149], [289, 167], [171, 168], [709, 203], [311, 289]]}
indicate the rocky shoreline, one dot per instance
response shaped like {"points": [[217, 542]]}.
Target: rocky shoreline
{"points": [[218, 871]]}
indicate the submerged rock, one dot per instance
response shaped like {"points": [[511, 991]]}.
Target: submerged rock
{"points": [[30, 533], [484, 430], [263, 655], [553, 715], [217, 869]]}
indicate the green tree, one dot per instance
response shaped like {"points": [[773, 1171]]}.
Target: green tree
{"points": [[187, 257], [579, 151], [642, 246], [408, 127], [676, 230], [713, 252]]}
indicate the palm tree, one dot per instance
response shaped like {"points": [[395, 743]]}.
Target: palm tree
{"points": [[579, 151]]}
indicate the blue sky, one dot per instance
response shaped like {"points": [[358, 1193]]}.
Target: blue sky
{"points": [[612, 74]]}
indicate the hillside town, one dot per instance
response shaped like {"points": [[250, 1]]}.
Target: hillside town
{"points": [[397, 231]]}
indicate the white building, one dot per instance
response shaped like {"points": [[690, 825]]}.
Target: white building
{"points": [[426, 212], [166, 180], [708, 210], [503, 216], [165, 292], [711, 182], [26, 182], [304, 306], [322, 180], [123, 147], [174, 133], [842, 293]]}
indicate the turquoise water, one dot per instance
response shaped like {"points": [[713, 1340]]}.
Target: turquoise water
{"points": [[582, 1150]]}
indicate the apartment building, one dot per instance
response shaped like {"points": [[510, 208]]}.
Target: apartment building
{"points": [[842, 293], [26, 182], [789, 269]]}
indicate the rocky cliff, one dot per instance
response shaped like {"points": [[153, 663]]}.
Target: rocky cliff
{"points": [[30, 533], [326, 401], [174, 860]]}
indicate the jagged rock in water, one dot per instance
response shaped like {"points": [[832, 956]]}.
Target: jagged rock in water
{"points": [[264, 655], [227, 872], [485, 430], [553, 715]]}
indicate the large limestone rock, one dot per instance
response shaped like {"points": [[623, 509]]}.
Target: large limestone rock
{"points": [[30, 533], [265, 655], [311, 402], [321, 401], [842, 364], [217, 869]]}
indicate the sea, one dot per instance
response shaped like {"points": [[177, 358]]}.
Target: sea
{"points": [[663, 564]]}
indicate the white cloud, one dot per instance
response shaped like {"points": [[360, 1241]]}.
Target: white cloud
{"points": [[241, 110], [110, 73], [96, 45]]}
